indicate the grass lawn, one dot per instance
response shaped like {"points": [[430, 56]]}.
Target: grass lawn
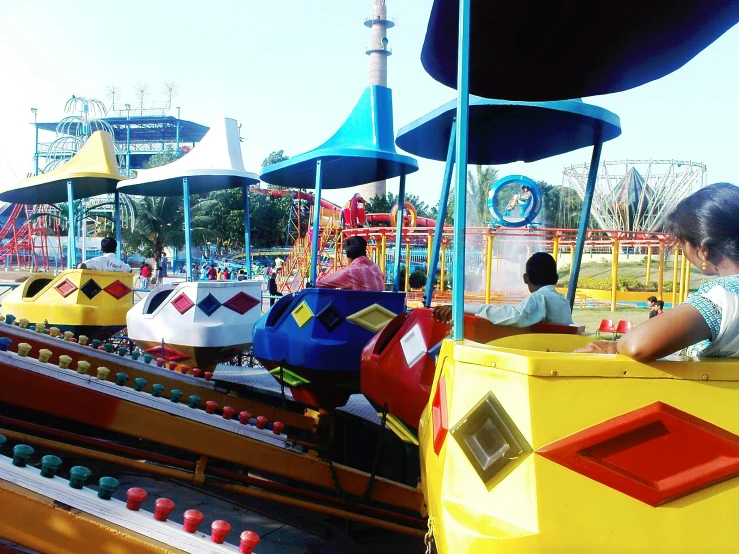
{"points": [[591, 317]]}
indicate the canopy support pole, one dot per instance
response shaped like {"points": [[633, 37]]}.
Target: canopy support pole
{"points": [[582, 229], [118, 229], [70, 234], [247, 232], [399, 236], [433, 259], [188, 238], [316, 226], [460, 192]]}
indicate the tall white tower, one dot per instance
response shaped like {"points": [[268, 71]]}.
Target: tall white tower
{"points": [[378, 52]]}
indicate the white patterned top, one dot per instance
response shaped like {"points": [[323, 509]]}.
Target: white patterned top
{"points": [[718, 302]]}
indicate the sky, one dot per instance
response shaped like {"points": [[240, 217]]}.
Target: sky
{"points": [[290, 71]]}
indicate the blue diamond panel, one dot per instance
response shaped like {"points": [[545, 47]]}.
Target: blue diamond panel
{"points": [[209, 305], [330, 317], [91, 289]]}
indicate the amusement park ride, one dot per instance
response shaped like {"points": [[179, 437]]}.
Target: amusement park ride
{"points": [[524, 445]]}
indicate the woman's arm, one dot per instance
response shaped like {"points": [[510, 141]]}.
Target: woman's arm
{"points": [[659, 336]]}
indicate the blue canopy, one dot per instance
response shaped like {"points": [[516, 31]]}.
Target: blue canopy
{"points": [[502, 132], [361, 151], [558, 49]]}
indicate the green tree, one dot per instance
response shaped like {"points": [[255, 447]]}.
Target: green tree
{"points": [[168, 155], [275, 157], [479, 180]]}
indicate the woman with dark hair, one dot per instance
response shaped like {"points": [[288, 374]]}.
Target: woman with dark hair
{"points": [[706, 226]]}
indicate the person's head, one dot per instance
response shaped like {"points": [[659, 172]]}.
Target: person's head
{"points": [[108, 245], [660, 304], [652, 300], [355, 247], [706, 226], [541, 270], [525, 188]]}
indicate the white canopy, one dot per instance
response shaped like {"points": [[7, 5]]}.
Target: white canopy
{"points": [[214, 164]]}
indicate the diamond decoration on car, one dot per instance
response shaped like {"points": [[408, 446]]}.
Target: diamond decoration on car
{"points": [[439, 415], [209, 304], [413, 345], [490, 440], [654, 454], [302, 314], [241, 303], [330, 317], [117, 289], [373, 318], [91, 289], [66, 287], [182, 303]]}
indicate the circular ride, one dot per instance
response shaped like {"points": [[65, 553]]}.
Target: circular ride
{"points": [[410, 216], [521, 208], [522, 438]]}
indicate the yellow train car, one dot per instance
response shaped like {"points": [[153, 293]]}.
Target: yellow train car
{"points": [[529, 448], [86, 302]]}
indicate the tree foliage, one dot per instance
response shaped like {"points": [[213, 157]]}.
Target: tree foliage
{"points": [[275, 157]]}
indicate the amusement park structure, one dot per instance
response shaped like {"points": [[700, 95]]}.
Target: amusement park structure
{"points": [[494, 438], [636, 195]]}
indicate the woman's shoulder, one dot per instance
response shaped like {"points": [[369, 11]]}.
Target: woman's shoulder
{"points": [[729, 283]]}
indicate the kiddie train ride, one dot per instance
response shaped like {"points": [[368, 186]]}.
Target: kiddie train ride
{"points": [[526, 446]]}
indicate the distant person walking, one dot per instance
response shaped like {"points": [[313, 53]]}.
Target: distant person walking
{"points": [[279, 263], [212, 273], [145, 273], [272, 288]]}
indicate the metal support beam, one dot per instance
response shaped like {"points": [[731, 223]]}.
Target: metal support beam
{"points": [[316, 226], [247, 231], [433, 259], [118, 229], [584, 218], [188, 238], [399, 235], [70, 232], [460, 200]]}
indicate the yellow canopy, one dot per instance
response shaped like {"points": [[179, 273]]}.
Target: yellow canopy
{"points": [[92, 170]]}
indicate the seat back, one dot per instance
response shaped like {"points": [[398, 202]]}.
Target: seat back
{"points": [[606, 326], [624, 326]]}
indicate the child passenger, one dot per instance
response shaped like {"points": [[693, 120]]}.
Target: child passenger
{"points": [[544, 303]]}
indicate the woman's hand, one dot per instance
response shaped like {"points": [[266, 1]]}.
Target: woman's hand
{"points": [[599, 347], [443, 313]]}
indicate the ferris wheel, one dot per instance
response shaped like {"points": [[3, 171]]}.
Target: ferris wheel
{"points": [[636, 195]]}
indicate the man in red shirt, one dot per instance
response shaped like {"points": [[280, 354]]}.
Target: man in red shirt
{"points": [[212, 272], [360, 274]]}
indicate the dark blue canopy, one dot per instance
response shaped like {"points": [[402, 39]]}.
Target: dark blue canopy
{"points": [[502, 132], [558, 49], [361, 151]]}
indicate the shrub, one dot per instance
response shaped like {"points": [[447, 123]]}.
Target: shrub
{"points": [[417, 279]]}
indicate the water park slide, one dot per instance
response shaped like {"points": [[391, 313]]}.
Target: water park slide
{"points": [[383, 220]]}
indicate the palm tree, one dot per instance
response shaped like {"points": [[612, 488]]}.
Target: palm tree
{"points": [[479, 180], [159, 223]]}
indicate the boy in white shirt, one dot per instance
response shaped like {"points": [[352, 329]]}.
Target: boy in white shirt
{"points": [[108, 261], [544, 303]]}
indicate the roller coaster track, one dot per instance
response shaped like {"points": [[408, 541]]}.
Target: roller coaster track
{"points": [[20, 240]]}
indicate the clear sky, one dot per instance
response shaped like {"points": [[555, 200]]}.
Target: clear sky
{"points": [[291, 70]]}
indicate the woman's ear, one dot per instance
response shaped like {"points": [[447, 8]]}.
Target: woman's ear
{"points": [[704, 253]]}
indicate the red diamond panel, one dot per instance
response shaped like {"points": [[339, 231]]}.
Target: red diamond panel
{"points": [[169, 354], [439, 415], [182, 303], [117, 289], [66, 287], [654, 454], [241, 303]]}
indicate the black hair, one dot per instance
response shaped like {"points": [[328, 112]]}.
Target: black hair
{"points": [[652, 299], [709, 218], [542, 269], [660, 303], [355, 247], [108, 245]]}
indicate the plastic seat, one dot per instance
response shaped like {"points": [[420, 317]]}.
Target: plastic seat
{"points": [[624, 326], [606, 326]]}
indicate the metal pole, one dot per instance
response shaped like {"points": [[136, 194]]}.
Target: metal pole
{"points": [[488, 265], [178, 130], [118, 229], [460, 200], [247, 230], [70, 233], [316, 226], [441, 216], [407, 266], [582, 229], [188, 244], [399, 235], [614, 272], [661, 274], [35, 154], [128, 140], [675, 285]]}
